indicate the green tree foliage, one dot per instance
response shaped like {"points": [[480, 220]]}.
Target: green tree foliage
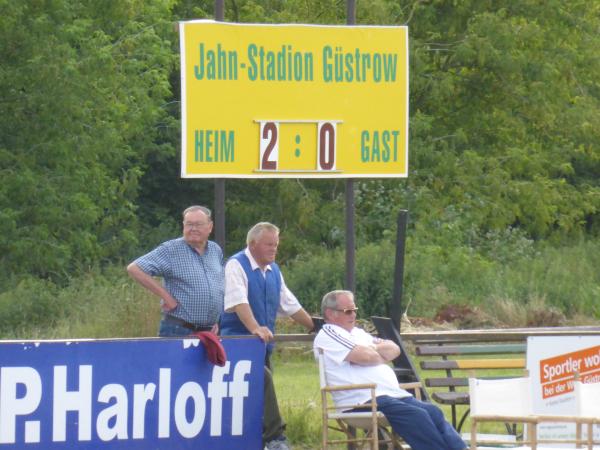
{"points": [[504, 104], [503, 98], [83, 84]]}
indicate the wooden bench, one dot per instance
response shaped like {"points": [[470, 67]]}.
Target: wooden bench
{"points": [[448, 358], [449, 365], [447, 361]]}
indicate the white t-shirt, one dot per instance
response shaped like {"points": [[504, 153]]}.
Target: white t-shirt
{"points": [[336, 343]]}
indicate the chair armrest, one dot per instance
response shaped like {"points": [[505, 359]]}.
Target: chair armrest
{"points": [[569, 419], [533, 418], [412, 385], [372, 405], [415, 386], [502, 418], [348, 387]]}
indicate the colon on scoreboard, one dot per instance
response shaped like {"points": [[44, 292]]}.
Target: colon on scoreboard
{"points": [[298, 146]]}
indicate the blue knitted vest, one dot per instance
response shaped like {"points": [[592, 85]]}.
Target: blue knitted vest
{"points": [[263, 296]]}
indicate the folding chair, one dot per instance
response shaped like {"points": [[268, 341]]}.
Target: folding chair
{"points": [[346, 419], [587, 398], [503, 400], [509, 400]]}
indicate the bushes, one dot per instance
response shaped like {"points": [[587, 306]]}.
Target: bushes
{"points": [[561, 280], [95, 305], [310, 278], [548, 286], [31, 304]]}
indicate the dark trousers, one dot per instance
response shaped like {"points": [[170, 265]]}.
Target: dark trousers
{"points": [[273, 424], [422, 425]]}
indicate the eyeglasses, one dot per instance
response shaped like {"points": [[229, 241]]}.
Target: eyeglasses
{"points": [[348, 311], [195, 224]]}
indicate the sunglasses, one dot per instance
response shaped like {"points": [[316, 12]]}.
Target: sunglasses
{"points": [[348, 311]]}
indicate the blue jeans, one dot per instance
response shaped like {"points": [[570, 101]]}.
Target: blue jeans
{"points": [[168, 329], [422, 425]]}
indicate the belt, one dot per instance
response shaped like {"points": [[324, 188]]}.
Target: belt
{"points": [[183, 323]]}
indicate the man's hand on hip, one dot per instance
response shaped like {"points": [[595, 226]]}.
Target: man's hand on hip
{"points": [[169, 304]]}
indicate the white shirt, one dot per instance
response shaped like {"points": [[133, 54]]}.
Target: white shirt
{"points": [[337, 343], [236, 287]]}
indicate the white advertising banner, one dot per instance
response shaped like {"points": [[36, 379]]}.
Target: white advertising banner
{"points": [[552, 362]]}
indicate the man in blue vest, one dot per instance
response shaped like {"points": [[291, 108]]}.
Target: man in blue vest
{"points": [[255, 293]]}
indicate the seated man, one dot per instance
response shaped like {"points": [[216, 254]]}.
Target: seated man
{"points": [[353, 356]]}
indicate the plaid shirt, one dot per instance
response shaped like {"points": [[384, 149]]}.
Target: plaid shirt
{"points": [[195, 281]]}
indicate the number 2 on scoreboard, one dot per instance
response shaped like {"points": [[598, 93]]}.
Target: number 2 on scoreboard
{"points": [[269, 145]]}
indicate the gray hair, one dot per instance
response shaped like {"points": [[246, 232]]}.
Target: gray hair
{"points": [[193, 208], [257, 229], [330, 300]]}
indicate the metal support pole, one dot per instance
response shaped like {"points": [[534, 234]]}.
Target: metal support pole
{"points": [[350, 233], [396, 306], [350, 237], [220, 182], [220, 212], [351, 12], [220, 10]]}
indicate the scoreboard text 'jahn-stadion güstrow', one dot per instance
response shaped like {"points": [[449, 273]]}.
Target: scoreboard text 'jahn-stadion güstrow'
{"points": [[293, 100]]}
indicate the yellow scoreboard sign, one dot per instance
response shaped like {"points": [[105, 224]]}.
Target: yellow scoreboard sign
{"points": [[293, 100]]}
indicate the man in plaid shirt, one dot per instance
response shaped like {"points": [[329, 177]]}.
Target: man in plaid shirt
{"points": [[193, 279]]}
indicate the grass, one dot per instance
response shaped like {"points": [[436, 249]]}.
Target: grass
{"points": [[296, 380]]}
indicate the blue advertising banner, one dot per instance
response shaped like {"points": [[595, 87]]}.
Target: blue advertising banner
{"points": [[130, 394]]}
